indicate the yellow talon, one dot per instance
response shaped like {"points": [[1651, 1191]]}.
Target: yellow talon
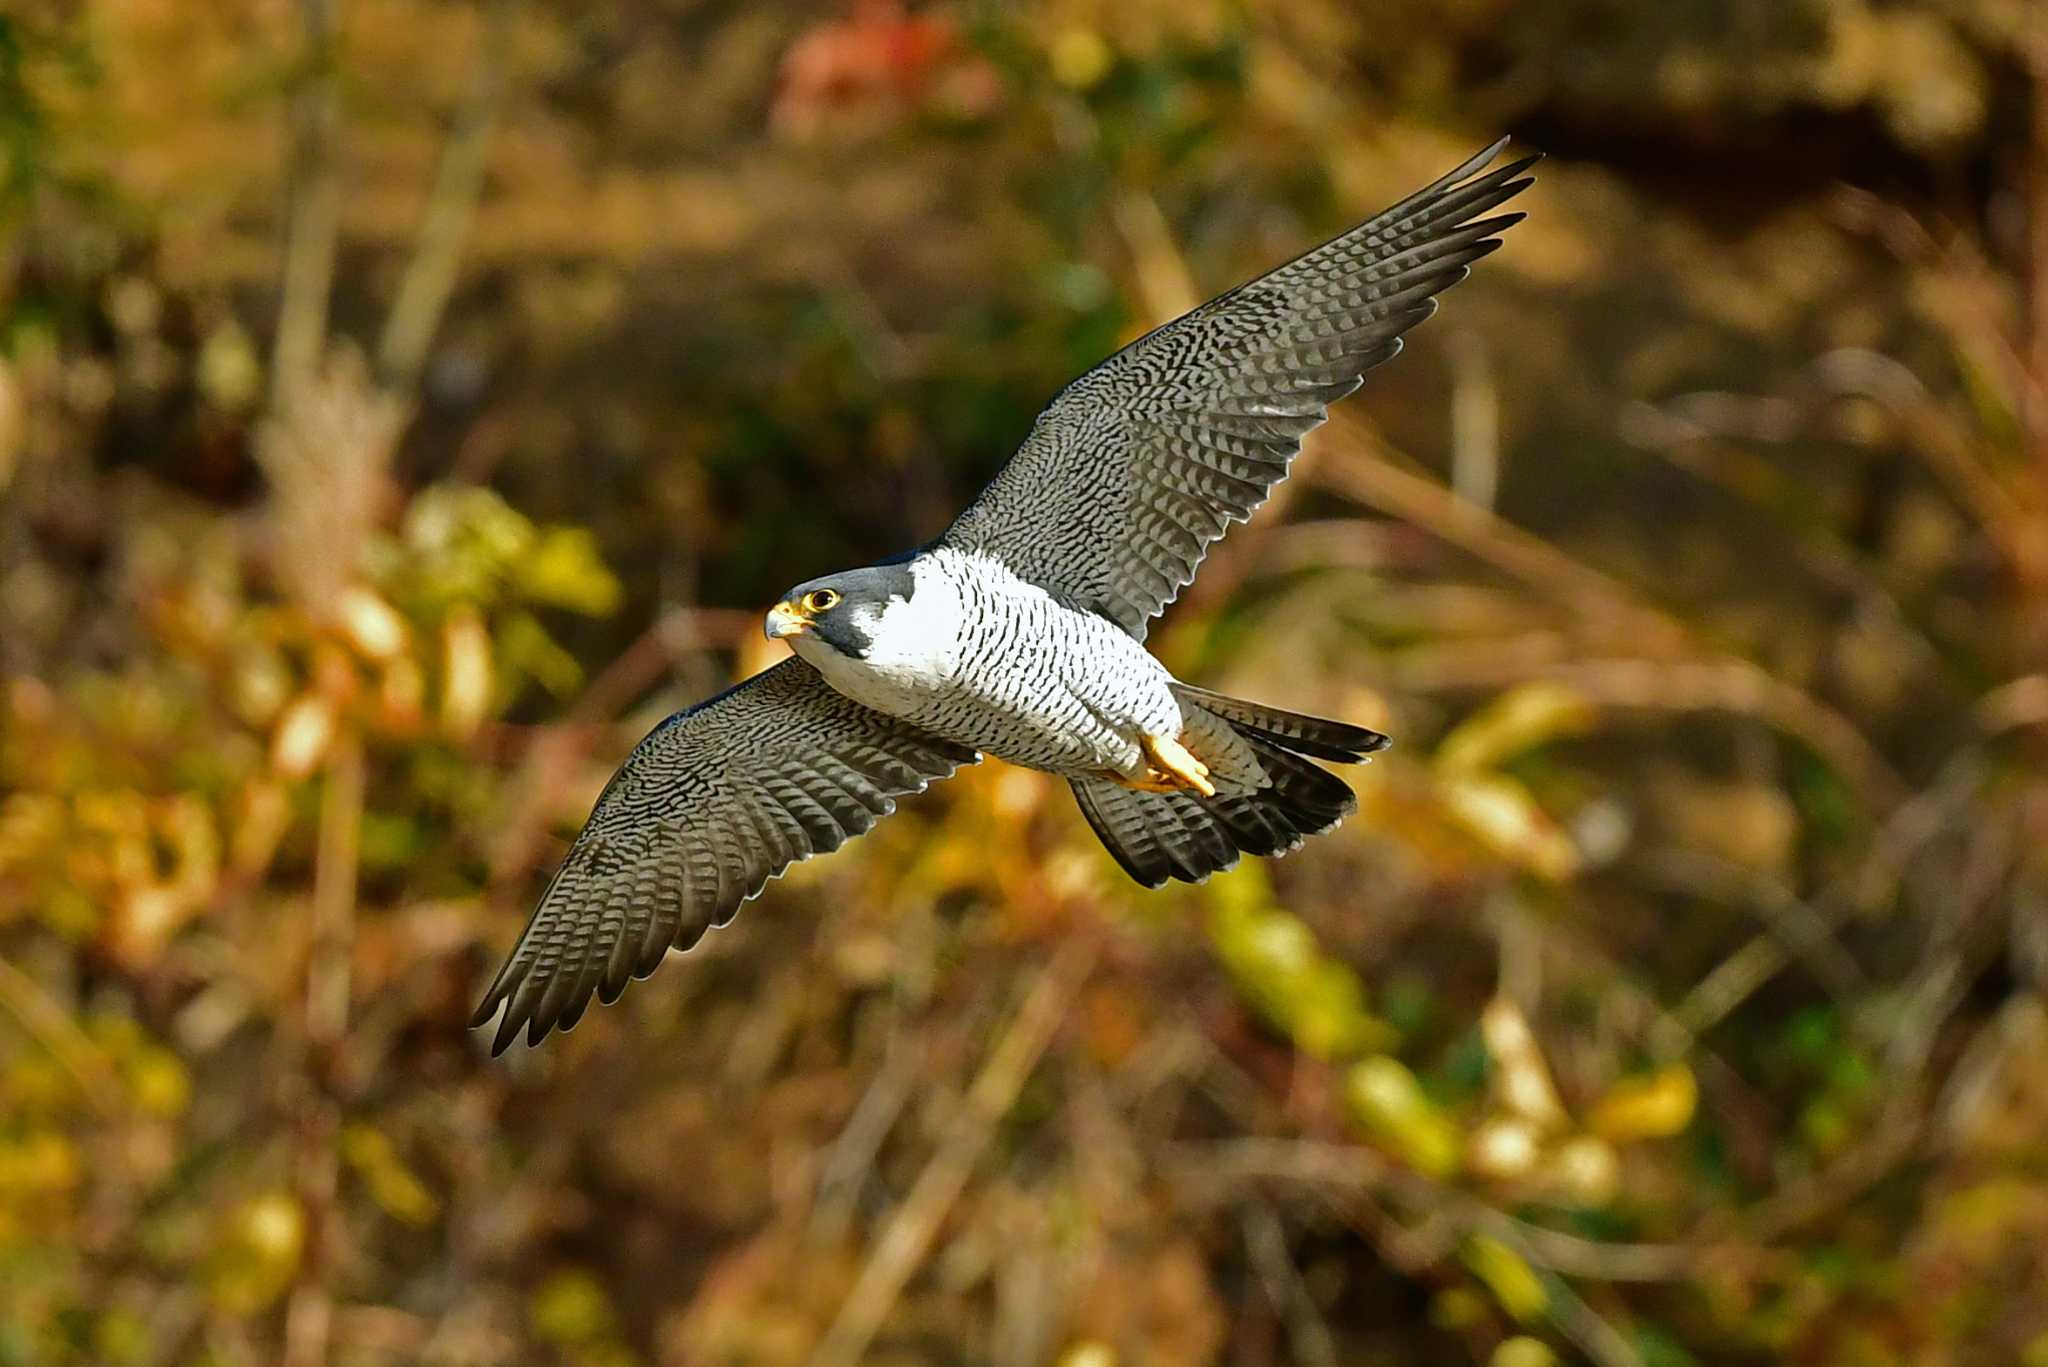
{"points": [[1171, 762]]}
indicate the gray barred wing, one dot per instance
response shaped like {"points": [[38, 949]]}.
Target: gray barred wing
{"points": [[1140, 464], [717, 800]]}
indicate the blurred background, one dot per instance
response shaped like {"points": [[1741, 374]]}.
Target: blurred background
{"points": [[405, 403]]}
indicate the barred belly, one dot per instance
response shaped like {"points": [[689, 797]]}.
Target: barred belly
{"points": [[1042, 684]]}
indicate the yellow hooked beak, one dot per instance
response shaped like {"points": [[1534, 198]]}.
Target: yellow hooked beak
{"points": [[787, 619]]}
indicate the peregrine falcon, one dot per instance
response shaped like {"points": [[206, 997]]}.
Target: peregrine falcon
{"points": [[1020, 633]]}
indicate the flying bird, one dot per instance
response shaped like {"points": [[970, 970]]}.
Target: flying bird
{"points": [[1020, 633]]}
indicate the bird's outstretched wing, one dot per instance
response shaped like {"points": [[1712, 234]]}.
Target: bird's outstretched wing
{"points": [[716, 801], [1140, 464]]}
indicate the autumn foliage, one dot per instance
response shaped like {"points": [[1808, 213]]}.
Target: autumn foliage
{"points": [[406, 403]]}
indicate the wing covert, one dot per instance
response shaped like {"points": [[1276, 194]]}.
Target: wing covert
{"points": [[1137, 466], [716, 800]]}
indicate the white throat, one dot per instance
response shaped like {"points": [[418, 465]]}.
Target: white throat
{"points": [[913, 650]]}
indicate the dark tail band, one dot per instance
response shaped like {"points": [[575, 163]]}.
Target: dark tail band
{"points": [[1157, 836]]}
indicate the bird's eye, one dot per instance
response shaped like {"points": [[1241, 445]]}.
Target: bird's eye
{"points": [[821, 600]]}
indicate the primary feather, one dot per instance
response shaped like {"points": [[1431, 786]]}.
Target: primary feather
{"points": [[1139, 465], [716, 801]]}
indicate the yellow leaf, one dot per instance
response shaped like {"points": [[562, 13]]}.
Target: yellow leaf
{"points": [[465, 671], [230, 375], [1387, 1102], [41, 1161], [1080, 57], [392, 1185], [1282, 972], [1513, 1282], [1650, 1107], [261, 685], [401, 693], [13, 424], [1523, 1351], [303, 736], [258, 1254], [571, 1308], [1521, 1079], [565, 570], [1505, 818], [259, 826], [1089, 1354], [1503, 1149], [1518, 720], [158, 1081], [188, 828], [1457, 1307], [372, 625], [30, 823], [273, 1226], [1584, 1171], [142, 922], [525, 647]]}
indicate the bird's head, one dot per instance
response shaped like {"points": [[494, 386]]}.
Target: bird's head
{"points": [[845, 612]]}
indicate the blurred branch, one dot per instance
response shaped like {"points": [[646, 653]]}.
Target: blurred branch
{"points": [[852, 1156], [1266, 1241], [1908, 828], [1322, 544], [2022, 702], [1220, 1169], [1599, 1340], [1165, 288], [1794, 927], [1475, 420], [309, 1316], [1961, 941], [1891, 1140], [1976, 326], [1713, 457], [334, 898], [1949, 799], [2036, 408], [430, 277], [1977, 319], [656, 650], [2014, 527], [1729, 684], [23, 998], [1661, 681], [313, 210], [2016, 1032], [908, 1236], [1948, 969], [1520, 977], [1355, 464]]}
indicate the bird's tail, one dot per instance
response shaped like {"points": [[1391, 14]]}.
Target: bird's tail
{"points": [[1269, 798]]}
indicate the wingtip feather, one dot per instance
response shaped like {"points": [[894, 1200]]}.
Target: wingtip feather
{"points": [[508, 1030], [493, 998]]}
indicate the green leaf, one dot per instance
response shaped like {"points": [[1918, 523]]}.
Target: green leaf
{"points": [[565, 571]]}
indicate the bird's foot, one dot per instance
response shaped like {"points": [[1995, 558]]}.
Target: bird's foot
{"points": [[1169, 764]]}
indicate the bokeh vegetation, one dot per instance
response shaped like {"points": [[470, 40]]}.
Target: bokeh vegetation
{"points": [[405, 403]]}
